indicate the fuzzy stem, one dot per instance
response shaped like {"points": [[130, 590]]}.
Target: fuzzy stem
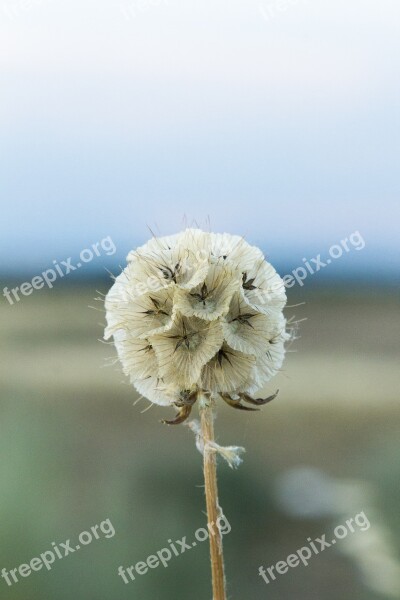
{"points": [[213, 510]]}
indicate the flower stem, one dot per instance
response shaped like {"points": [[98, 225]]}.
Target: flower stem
{"points": [[213, 510]]}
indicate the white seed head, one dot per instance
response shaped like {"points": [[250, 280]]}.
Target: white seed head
{"points": [[197, 312]]}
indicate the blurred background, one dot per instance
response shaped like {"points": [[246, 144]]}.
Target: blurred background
{"points": [[272, 119]]}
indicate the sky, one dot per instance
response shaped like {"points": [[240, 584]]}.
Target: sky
{"points": [[274, 119]]}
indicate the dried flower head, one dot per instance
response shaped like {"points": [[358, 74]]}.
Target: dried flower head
{"points": [[198, 313]]}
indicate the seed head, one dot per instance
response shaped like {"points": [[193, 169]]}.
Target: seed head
{"points": [[198, 313]]}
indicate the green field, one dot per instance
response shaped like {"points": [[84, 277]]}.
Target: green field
{"points": [[76, 450]]}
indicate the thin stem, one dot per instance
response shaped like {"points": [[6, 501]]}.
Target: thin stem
{"points": [[213, 510]]}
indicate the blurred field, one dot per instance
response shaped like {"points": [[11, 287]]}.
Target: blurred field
{"points": [[75, 451]]}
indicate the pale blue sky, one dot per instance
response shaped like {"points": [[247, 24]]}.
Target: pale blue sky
{"points": [[279, 120]]}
